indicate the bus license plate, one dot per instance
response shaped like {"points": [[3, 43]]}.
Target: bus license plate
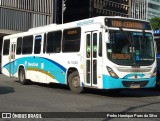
{"points": [[135, 86]]}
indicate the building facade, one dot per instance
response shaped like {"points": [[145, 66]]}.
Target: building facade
{"points": [[20, 15], [153, 9], [144, 9], [81, 9], [138, 9]]}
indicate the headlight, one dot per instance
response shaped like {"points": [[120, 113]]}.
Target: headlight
{"points": [[112, 73], [154, 74]]}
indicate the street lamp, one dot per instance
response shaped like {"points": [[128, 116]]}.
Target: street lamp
{"points": [[63, 8]]}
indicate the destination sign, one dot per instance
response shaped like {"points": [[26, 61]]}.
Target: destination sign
{"points": [[121, 56], [128, 23]]}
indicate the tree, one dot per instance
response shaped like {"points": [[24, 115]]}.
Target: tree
{"points": [[155, 22]]}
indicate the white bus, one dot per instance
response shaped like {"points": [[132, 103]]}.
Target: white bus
{"points": [[101, 52]]}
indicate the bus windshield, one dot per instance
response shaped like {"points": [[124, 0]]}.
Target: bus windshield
{"points": [[131, 48]]}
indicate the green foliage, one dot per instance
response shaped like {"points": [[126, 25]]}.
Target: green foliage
{"points": [[155, 22]]}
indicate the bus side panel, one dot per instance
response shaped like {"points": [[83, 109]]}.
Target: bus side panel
{"points": [[5, 63], [63, 62], [54, 68], [41, 65]]}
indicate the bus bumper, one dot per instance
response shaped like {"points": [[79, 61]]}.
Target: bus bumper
{"points": [[113, 83]]}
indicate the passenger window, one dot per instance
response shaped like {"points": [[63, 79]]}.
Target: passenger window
{"points": [[54, 42], [6, 46], [37, 44], [71, 40], [19, 46], [27, 45]]}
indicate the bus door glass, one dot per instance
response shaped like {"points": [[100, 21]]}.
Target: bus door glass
{"points": [[91, 58], [12, 58]]}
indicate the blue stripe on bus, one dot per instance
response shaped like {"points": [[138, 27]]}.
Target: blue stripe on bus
{"points": [[60, 66]]}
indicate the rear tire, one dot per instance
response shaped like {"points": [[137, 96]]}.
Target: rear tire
{"points": [[22, 77], [74, 82]]}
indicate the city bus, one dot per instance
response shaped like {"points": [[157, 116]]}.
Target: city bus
{"points": [[102, 52]]}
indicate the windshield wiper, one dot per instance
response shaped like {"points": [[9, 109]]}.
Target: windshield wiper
{"points": [[143, 34], [129, 39]]}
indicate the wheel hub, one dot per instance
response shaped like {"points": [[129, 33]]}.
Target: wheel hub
{"points": [[76, 82]]}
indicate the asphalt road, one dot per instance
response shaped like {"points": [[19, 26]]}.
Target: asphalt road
{"points": [[35, 97]]}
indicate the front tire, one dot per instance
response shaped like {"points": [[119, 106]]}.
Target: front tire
{"points": [[74, 82], [22, 77]]}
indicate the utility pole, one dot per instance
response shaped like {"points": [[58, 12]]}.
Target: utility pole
{"points": [[63, 8]]}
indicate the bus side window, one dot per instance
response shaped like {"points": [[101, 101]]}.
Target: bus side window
{"points": [[71, 40], [100, 45], [54, 42], [37, 44], [6, 47], [19, 46], [27, 45]]}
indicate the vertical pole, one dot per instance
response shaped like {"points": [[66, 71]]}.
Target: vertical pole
{"points": [[62, 9], [129, 9], [146, 12], [134, 10], [55, 11], [90, 9]]}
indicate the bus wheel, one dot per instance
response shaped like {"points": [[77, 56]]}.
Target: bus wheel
{"points": [[74, 82], [22, 77]]}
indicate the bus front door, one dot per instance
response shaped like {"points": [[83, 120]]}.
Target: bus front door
{"points": [[91, 58], [12, 59]]}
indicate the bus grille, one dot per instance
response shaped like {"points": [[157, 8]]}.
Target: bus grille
{"points": [[129, 83]]}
